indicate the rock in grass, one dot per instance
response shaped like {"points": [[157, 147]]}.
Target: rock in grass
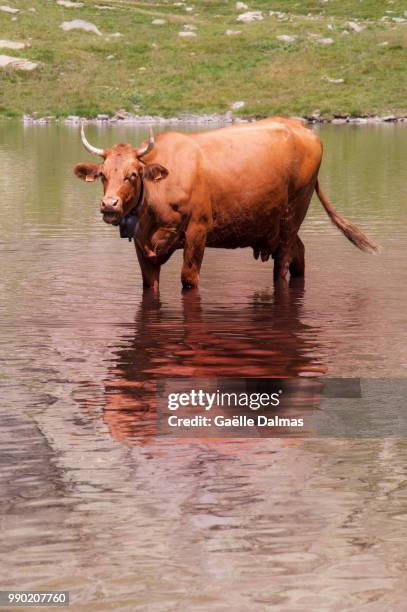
{"points": [[8, 9], [79, 24], [325, 41], [69, 4], [278, 14], [250, 16], [233, 32], [335, 81], [355, 27], [241, 6], [286, 38], [238, 105], [187, 34], [159, 22], [11, 44], [17, 63]]}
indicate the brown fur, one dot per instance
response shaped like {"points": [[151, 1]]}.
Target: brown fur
{"points": [[247, 185]]}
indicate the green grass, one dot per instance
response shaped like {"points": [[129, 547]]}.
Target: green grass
{"points": [[210, 72]]}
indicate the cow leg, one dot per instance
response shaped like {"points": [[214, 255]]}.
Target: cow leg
{"points": [[149, 271], [297, 265], [289, 257], [195, 240], [282, 260]]}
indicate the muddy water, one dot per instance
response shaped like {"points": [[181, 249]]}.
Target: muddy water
{"points": [[91, 501]]}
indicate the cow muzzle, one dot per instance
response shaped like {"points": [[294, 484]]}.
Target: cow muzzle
{"points": [[111, 208]]}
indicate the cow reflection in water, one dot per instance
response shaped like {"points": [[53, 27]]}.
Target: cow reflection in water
{"points": [[264, 339]]}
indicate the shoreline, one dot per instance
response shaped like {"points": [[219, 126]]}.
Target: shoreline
{"points": [[124, 118]]}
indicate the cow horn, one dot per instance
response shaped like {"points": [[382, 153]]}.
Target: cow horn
{"points": [[88, 146], [141, 151]]}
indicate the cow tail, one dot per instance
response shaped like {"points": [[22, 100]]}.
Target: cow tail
{"points": [[347, 228]]}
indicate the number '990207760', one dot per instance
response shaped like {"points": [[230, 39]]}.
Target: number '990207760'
{"points": [[34, 598]]}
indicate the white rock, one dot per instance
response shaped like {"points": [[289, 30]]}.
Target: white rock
{"points": [[69, 4], [189, 9], [158, 22], [187, 34], [190, 28], [361, 120], [250, 16], [335, 81], [17, 63], [325, 41], [399, 19], [115, 35], [8, 9], [103, 7], [278, 14], [241, 6], [79, 24], [383, 44], [286, 38], [11, 44], [405, 13], [32, 10], [233, 32], [355, 27], [110, 57], [238, 105]]}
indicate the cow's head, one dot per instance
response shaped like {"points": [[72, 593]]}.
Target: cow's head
{"points": [[121, 172]]}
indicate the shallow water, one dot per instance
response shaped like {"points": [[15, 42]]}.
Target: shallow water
{"points": [[91, 500]]}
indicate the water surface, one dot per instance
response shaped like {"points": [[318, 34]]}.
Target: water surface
{"points": [[91, 500]]}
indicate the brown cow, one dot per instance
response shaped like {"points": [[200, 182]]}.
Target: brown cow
{"points": [[247, 185]]}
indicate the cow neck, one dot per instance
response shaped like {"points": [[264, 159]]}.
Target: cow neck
{"points": [[128, 223], [140, 200]]}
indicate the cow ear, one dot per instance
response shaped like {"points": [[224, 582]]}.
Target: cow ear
{"points": [[87, 172], [154, 172]]}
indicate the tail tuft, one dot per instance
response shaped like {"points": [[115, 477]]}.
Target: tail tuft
{"points": [[348, 229]]}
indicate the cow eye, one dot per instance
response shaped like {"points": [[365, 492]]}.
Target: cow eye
{"points": [[132, 176]]}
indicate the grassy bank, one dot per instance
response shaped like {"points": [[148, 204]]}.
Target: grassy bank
{"points": [[150, 69]]}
